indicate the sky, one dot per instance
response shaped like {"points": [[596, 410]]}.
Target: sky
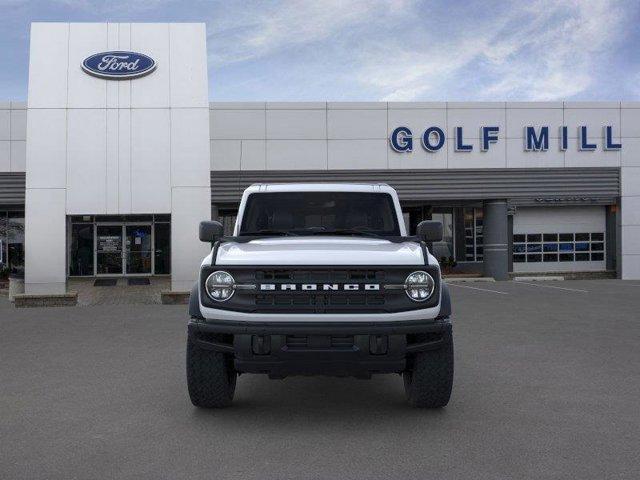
{"points": [[377, 50]]}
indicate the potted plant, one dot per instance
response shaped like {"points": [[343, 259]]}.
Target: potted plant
{"points": [[447, 264], [4, 276]]}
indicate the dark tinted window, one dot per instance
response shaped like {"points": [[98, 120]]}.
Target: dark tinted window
{"points": [[309, 212], [582, 246], [163, 248], [81, 249]]}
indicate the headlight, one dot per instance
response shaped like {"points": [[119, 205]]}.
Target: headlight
{"points": [[220, 286], [419, 286]]}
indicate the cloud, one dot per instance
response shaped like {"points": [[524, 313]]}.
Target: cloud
{"points": [[564, 46], [263, 28], [100, 7], [547, 50], [408, 50], [389, 49]]}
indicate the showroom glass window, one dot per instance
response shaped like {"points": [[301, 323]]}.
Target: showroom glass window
{"points": [[445, 248], [227, 217], [414, 214], [120, 244], [4, 267], [81, 250], [162, 239], [473, 238], [12, 240], [558, 247]]}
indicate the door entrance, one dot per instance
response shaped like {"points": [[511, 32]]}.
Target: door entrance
{"points": [[138, 250], [123, 249], [108, 255]]}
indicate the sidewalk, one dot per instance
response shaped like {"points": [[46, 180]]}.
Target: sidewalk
{"points": [[121, 293]]}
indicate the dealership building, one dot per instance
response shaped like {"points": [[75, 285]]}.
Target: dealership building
{"points": [[117, 155]]}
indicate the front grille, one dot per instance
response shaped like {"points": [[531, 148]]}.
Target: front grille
{"points": [[320, 276], [320, 298], [319, 341], [296, 341], [342, 341], [304, 299]]}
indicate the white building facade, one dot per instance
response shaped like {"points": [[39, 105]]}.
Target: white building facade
{"points": [[115, 147], [111, 176]]}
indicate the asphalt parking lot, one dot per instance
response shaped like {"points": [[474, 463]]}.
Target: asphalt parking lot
{"points": [[547, 386]]}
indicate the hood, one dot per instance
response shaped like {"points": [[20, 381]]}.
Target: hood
{"points": [[320, 251]]}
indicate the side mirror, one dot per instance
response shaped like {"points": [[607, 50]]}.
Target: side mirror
{"points": [[430, 231], [210, 231]]}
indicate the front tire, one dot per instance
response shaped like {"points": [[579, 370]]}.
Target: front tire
{"points": [[211, 378], [429, 381]]}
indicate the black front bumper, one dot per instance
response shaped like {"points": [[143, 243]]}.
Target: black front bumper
{"points": [[320, 348]]}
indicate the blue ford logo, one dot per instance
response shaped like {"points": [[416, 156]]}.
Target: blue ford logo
{"points": [[118, 65]]}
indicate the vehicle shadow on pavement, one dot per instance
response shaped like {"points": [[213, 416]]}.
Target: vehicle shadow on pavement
{"points": [[318, 400]]}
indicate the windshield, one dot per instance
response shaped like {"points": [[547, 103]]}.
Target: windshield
{"points": [[320, 213]]}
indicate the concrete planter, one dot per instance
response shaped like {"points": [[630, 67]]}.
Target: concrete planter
{"points": [[16, 286], [69, 299], [174, 298]]}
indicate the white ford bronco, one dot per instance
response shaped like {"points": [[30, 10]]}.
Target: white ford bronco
{"points": [[320, 279]]}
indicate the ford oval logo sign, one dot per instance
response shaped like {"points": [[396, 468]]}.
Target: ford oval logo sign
{"points": [[118, 65]]}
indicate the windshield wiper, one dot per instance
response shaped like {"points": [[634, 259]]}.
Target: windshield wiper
{"points": [[348, 231], [266, 231]]}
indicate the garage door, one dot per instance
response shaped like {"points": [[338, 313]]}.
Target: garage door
{"points": [[559, 239]]}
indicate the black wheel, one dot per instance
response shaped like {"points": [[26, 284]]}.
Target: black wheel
{"points": [[429, 380], [211, 377]]}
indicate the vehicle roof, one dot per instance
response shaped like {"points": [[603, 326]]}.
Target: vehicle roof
{"points": [[320, 187]]}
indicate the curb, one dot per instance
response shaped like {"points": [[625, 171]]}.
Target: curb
{"points": [[470, 280], [538, 278]]}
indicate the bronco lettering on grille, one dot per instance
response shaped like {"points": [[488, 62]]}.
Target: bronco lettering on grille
{"points": [[319, 286]]}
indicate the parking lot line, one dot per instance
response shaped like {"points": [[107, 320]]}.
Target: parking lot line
{"points": [[553, 286], [476, 288]]}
